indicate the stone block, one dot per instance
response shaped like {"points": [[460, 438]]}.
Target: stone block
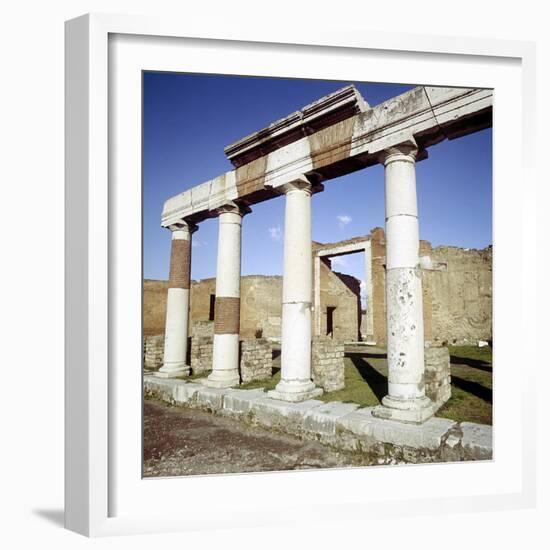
{"points": [[163, 388], [211, 398], [284, 415], [323, 419], [184, 393], [359, 422], [428, 435], [239, 402], [477, 441]]}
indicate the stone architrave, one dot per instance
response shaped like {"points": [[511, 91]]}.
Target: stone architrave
{"points": [[296, 384], [406, 399], [225, 361], [177, 304]]}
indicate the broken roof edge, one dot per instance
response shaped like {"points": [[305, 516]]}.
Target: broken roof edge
{"points": [[339, 105]]}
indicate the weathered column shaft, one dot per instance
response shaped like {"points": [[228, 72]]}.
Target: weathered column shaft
{"points": [[225, 363], [177, 304], [406, 398], [296, 384]]}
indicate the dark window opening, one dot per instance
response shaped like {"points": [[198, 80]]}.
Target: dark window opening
{"points": [[212, 307], [330, 320]]}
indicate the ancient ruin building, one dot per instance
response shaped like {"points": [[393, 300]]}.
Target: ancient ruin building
{"points": [[295, 157], [457, 296]]}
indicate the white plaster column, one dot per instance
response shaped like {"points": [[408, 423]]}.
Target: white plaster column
{"points": [[225, 362], [177, 303], [406, 399], [296, 384]]}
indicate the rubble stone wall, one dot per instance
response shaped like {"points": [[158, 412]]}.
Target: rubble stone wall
{"points": [[153, 351], [437, 374], [256, 359], [201, 354], [327, 363]]}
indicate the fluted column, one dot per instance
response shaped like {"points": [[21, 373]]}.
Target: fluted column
{"points": [[177, 303], [296, 384], [406, 399], [225, 362]]}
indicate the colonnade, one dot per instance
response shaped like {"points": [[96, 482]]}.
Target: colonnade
{"points": [[406, 399]]}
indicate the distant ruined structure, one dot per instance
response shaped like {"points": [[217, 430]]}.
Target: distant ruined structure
{"points": [[457, 296], [295, 157]]}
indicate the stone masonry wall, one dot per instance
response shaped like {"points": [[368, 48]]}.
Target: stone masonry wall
{"points": [[153, 352], [437, 374], [201, 354], [342, 292], [256, 359], [261, 308], [457, 298], [460, 285], [327, 363]]}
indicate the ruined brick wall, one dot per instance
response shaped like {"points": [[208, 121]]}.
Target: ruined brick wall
{"points": [[461, 290], [437, 374], [342, 292], [154, 306], [457, 298], [327, 363], [456, 292], [260, 305], [153, 352], [201, 354], [256, 359]]}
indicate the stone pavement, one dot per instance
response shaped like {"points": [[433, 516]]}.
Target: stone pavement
{"points": [[189, 441], [342, 426]]}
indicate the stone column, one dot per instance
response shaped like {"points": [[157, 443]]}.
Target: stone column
{"points": [[296, 384], [406, 399], [225, 363], [177, 303]]}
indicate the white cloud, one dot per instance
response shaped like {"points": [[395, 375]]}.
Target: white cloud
{"points": [[198, 244], [338, 261], [343, 220], [275, 232], [363, 291]]}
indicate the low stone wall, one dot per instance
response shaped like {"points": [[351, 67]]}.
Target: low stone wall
{"points": [[201, 354], [437, 374], [202, 328], [327, 363], [256, 359], [339, 425], [153, 352]]}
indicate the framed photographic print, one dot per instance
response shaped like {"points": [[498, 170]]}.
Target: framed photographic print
{"points": [[290, 271]]}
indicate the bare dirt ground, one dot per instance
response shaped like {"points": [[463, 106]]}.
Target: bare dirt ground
{"points": [[181, 441]]}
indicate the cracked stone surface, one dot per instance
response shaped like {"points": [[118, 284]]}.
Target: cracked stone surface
{"points": [[190, 442]]}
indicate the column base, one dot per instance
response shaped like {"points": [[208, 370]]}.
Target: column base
{"points": [[295, 391], [173, 372], [412, 411], [222, 379]]}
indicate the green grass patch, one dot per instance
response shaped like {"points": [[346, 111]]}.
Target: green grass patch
{"points": [[366, 378]]}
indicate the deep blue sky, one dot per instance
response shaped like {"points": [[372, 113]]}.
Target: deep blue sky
{"points": [[189, 119]]}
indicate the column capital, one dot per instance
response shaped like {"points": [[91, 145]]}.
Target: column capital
{"points": [[408, 151], [301, 183], [233, 208], [183, 225]]}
